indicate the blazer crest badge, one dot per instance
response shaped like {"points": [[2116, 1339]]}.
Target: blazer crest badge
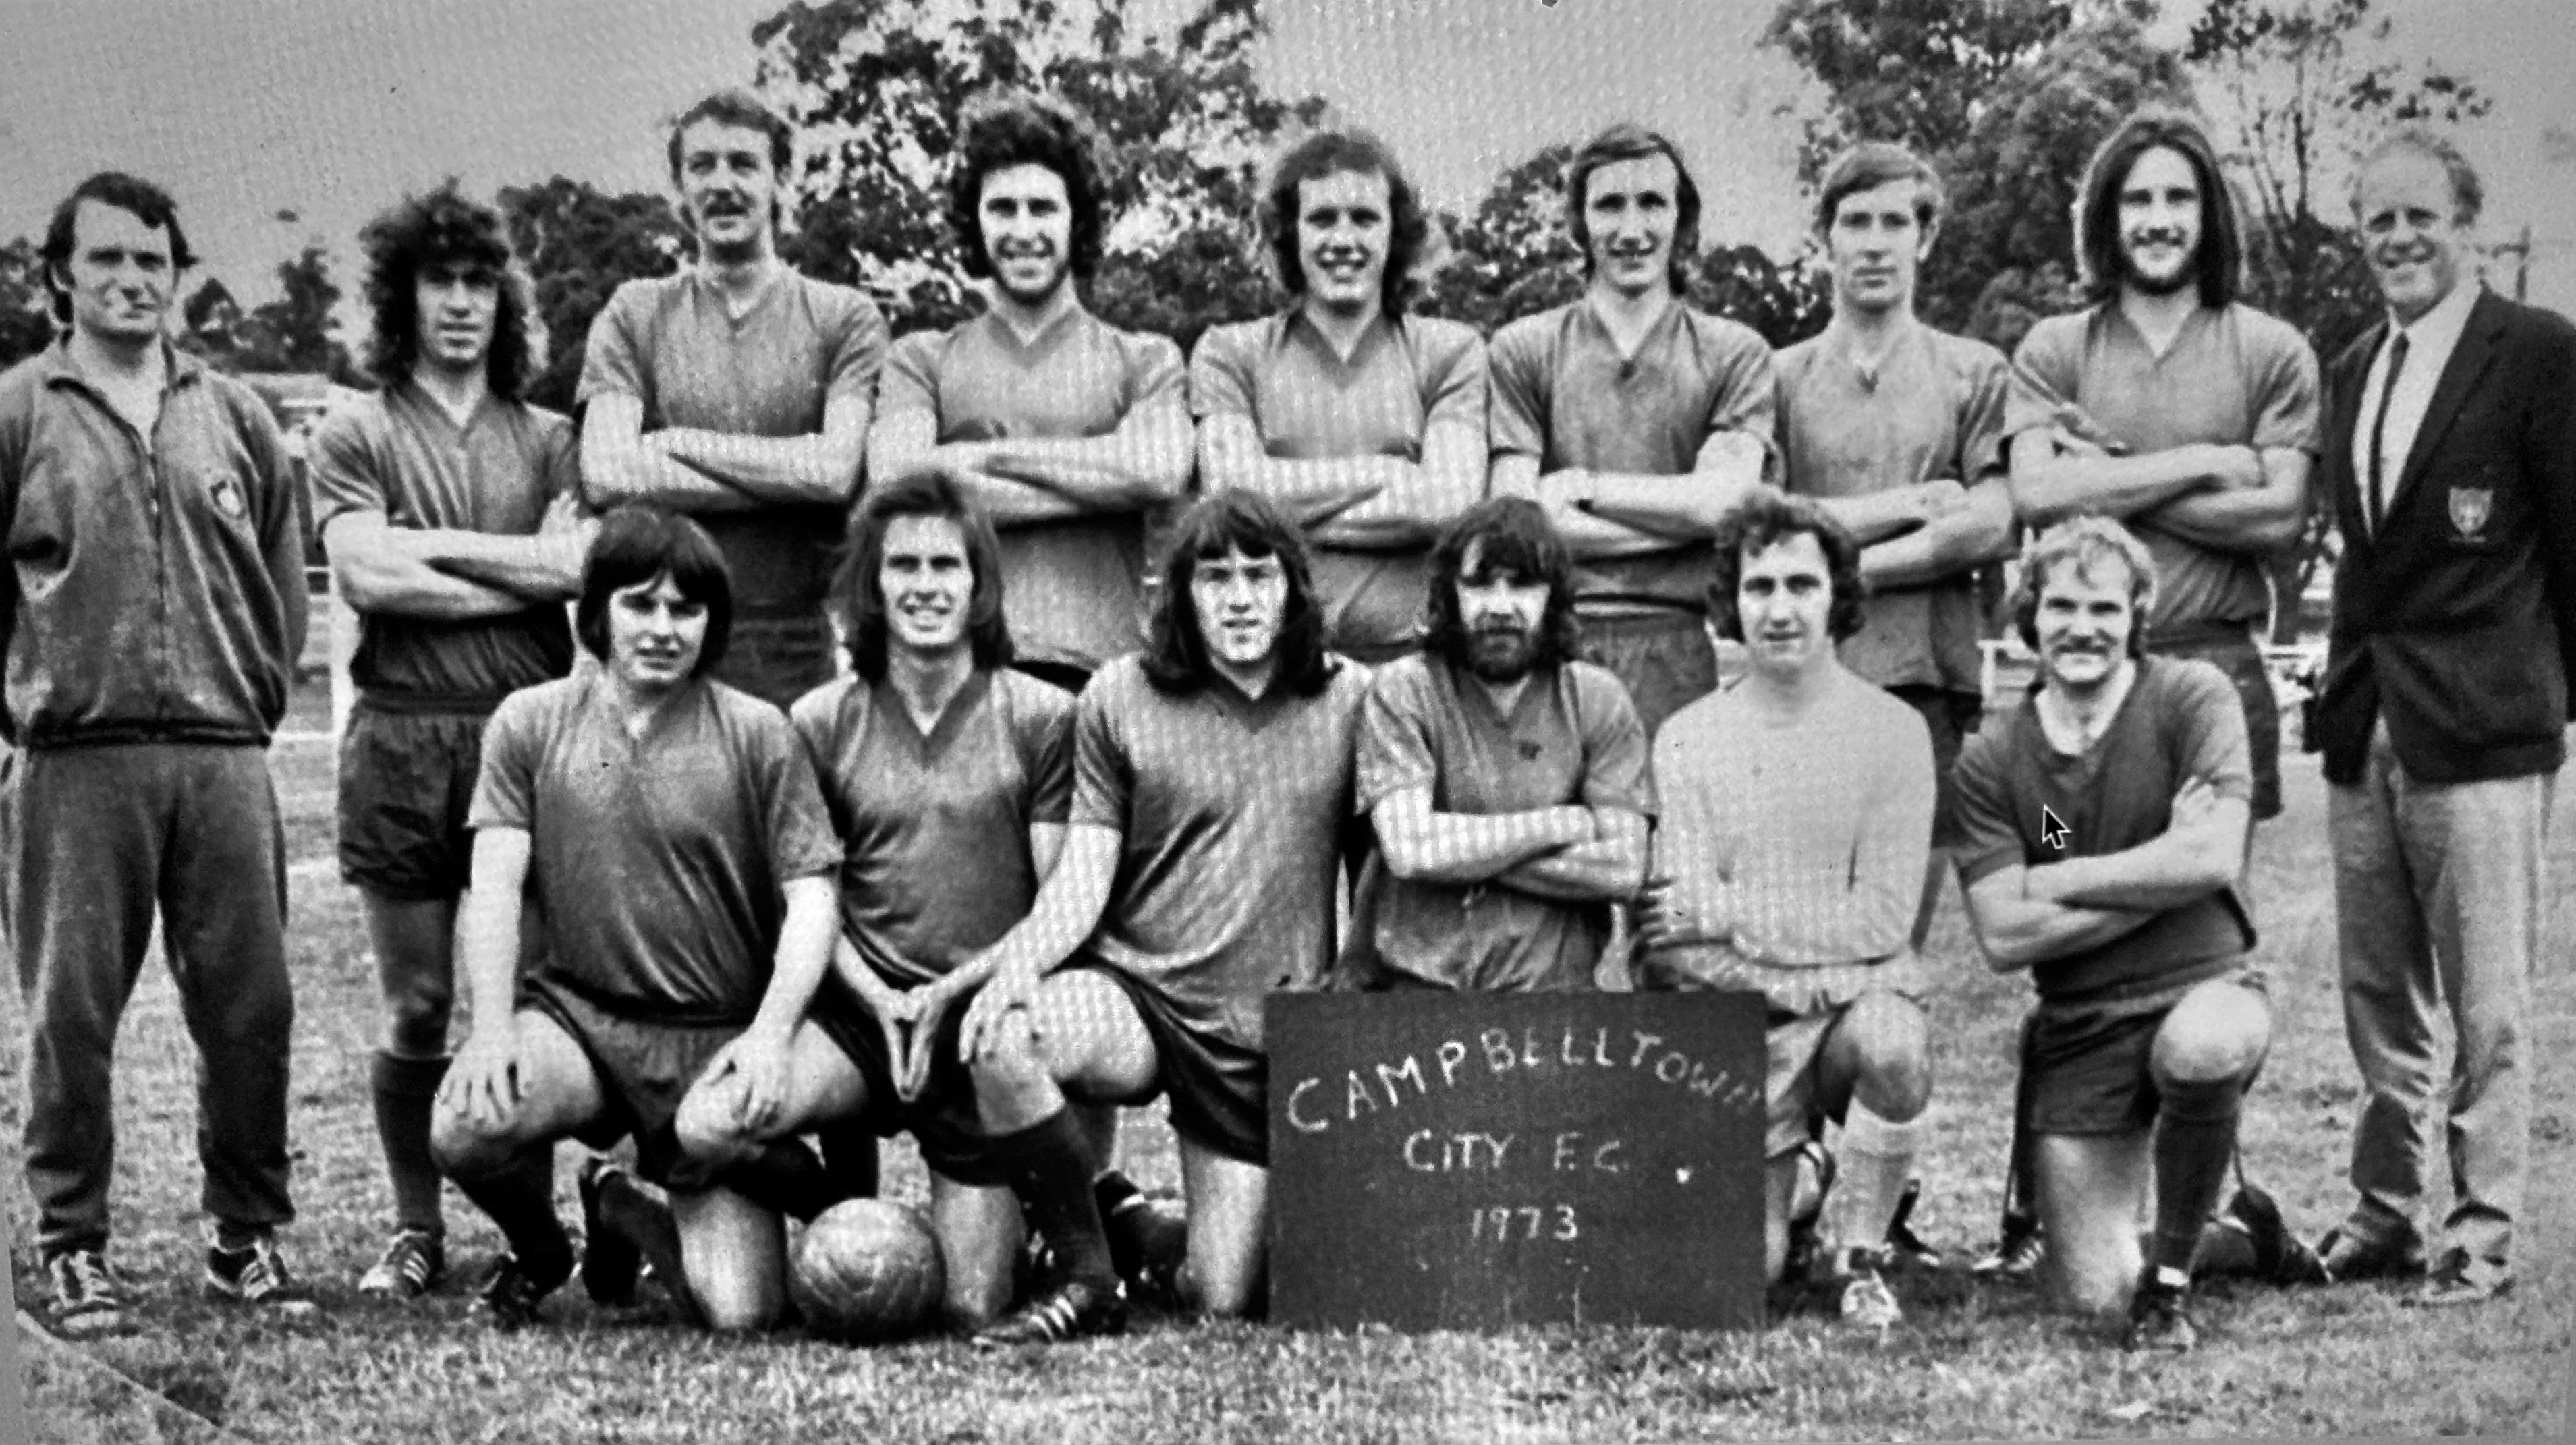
{"points": [[2470, 507]]}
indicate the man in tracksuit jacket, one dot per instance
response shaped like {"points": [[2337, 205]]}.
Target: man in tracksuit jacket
{"points": [[150, 610]]}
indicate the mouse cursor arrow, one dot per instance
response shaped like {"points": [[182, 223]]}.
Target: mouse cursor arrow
{"points": [[2052, 828]]}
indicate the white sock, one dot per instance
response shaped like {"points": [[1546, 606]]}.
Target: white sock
{"points": [[1876, 1157]]}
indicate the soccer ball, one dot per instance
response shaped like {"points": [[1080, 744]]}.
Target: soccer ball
{"points": [[866, 1271]]}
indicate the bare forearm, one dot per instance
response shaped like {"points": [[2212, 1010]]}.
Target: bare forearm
{"points": [[812, 470], [1008, 502], [1873, 517], [540, 568], [1689, 506], [404, 587], [2048, 491], [1122, 472], [2038, 932], [1468, 848], [1605, 870], [2151, 877], [487, 938], [2251, 522], [805, 945], [641, 475], [1965, 537]]}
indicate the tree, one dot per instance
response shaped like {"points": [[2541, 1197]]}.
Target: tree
{"points": [[579, 244], [1919, 72], [2298, 92], [1511, 256], [26, 307], [295, 331], [878, 86]]}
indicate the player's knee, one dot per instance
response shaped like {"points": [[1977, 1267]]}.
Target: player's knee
{"points": [[465, 1149], [1890, 1053], [416, 1018], [709, 1126], [2214, 1035], [1009, 1060]]}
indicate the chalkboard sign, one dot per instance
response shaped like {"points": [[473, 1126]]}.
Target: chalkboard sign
{"points": [[1471, 1161]]}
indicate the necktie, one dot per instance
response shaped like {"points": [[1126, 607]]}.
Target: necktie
{"points": [[2378, 498]]}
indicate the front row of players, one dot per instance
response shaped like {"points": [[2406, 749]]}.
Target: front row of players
{"points": [[946, 898]]}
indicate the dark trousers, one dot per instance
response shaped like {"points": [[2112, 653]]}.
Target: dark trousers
{"points": [[102, 835]]}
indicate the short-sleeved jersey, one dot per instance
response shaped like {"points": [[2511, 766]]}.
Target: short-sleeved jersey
{"points": [[1231, 811], [935, 830], [1572, 738], [1071, 587], [669, 343], [1306, 402], [659, 864], [2180, 721], [1564, 394], [2234, 377], [400, 454], [1932, 408], [1808, 839]]}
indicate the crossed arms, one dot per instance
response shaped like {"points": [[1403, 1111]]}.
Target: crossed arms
{"points": [[1353, 501], [1568, 852], [693, 470], [2025, 915], [452, 574], [1624, 514], [1019, 480], [2229, 498]]}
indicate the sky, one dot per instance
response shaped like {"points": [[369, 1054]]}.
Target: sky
{"points": [[276, 122]]}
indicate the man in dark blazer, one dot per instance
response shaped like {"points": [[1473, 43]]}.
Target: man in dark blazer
{"points": [[2451, 464]]}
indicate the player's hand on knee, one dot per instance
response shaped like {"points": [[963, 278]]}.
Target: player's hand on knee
{"points": [[756, 1064], [483, 1081], [1010, 988]]}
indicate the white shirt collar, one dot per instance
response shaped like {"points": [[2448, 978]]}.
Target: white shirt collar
{"points": [[2437, 331]]}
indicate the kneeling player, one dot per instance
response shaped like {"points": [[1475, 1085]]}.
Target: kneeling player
{"points": [[1507, 779], [2105, 821], [1212, 789], [947, 774], [669, 831], [1796, 827]]}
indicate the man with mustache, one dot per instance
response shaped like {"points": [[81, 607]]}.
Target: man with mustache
{"points": [[151, 610], [738, 392], [1638, 421], [1507, 779], [1211, 804], [2452, 470], [431, 495], [1797, 816], [1364, 423], [2106, 819], [2173, 405], [669, 832], [1062, 429]]}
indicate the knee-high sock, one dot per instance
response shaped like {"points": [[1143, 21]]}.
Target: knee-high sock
{"points": [[1051, 1169], [521, 1201], [2195, 1140], [1876, 1156], [405, 1090], [849, 1159], [785, 1176], [2021, 1189]]}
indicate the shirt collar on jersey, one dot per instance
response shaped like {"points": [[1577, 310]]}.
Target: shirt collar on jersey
{"points": [[1049, 336], [1588, 318], [179, 367], [888, 699], [1296, 324]]}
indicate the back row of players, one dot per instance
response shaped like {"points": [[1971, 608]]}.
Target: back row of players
{"points": [[965, 903]]}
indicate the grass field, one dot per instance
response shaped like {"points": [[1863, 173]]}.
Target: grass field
{"points": [[1969, 1362]]}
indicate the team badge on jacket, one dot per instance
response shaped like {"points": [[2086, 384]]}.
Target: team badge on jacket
{"points": [[228, 499], [2469, 509]]}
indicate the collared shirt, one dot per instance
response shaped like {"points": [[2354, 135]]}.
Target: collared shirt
{"points": [[2235, 377], [1072, 586], [1230, 811], [1572, 738], [935, 829], [671, 344], [1404, 377], [2429, 344], [660, 862], [401, 455], [154, 588], [1932, 408], [2181, 722], [1565, 395]]}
